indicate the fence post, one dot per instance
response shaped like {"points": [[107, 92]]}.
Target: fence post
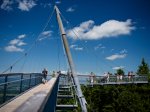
{"points": [[30, 81], [21, 83], [5, 88], [35, 79]]}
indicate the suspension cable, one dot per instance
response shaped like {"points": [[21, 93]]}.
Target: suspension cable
{"points": [[87, 50], [33, 44], [76, 34]]}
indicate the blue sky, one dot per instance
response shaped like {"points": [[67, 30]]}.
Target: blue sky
{"points": [[109, 34]]}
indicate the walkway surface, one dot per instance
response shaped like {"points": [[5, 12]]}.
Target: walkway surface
{"points": [[31, 101]]}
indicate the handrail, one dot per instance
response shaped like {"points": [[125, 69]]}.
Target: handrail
{"points": [[10, 81], [18, 80], [113, 79], [41, 98], [13, 74]]}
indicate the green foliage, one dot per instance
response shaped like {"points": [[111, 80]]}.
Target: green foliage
{"points": [[120, 72], [143, 69], [148, 77], [118, 98]]}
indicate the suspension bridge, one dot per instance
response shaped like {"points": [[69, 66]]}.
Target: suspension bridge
{"points": [[25, 92]]}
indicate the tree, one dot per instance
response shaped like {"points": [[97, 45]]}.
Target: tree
{"points": [[120, 72], [143, 69]]}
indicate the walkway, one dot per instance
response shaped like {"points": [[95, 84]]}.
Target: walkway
{"points": [[32, 101]]}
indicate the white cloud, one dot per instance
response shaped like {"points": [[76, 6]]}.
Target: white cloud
{"points": [[15, 44], [123, 51], [45, 35], [78, 48], [118, 67], [14, 41], [99, 46], [21, 36], [21, 43], [26, 5], [18, 41], [6, 5], [116, 56], [12, 48], [70, 9], [112, 28], [73, 46], [58, 2]]}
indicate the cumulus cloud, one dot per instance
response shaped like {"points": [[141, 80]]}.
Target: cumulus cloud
{"points": [[70, 9], [45, 35], [26, 5], [118, 67], [15, 44], [6, 5], [12, 48], [14, 41], [112, 28], [116, 56], [18, 41]]}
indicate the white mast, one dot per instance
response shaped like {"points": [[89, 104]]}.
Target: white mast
{"points": [[70, 61]]}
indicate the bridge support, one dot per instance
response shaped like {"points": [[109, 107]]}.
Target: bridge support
{"points": [[81, 98]]}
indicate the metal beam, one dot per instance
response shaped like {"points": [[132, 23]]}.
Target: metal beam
{"points": [[70, 61]]}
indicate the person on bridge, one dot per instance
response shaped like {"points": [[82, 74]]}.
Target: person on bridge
{"points": [[108, 75], [129, 76], [92, 76], [53, 74], [44, 72]]}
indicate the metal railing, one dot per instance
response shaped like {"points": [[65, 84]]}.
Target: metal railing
{"points": [[13, 84], [112, 79]]}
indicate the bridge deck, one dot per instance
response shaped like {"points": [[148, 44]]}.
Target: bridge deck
{"points": [[31, 101]]}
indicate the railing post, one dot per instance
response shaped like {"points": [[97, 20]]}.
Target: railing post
{"points": [[35, 79], [21, 83], [30, 81], [41, 78], [5, 88]]}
